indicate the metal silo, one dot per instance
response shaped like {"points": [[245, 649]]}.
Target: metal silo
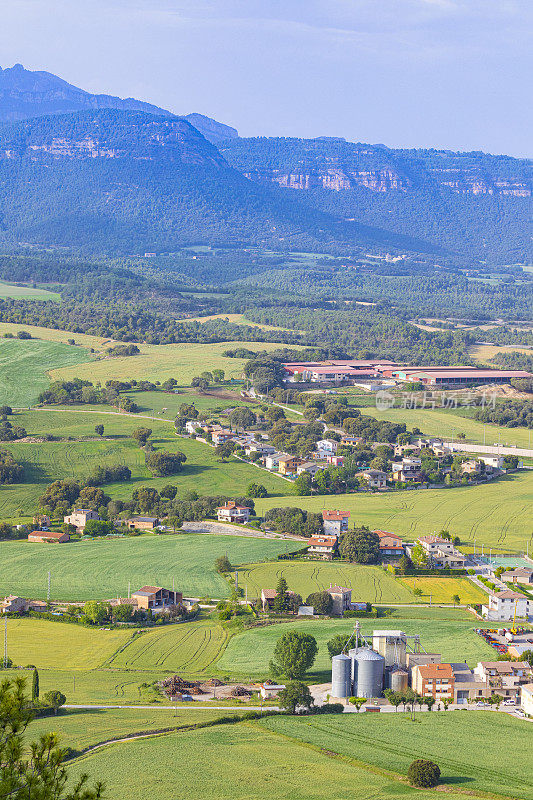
{"points": [[368, 666], [398, 680], [341, 676]]}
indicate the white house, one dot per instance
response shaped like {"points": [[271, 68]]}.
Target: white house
{"points": [[231, 512], [324, 546], [375, 478], [442, 553], [526, 699], [335, 522], [272, 461], [310, 467], [506, 605], [192, 426], [80, 518], [408, 469], [495, 462], [327, 445]]}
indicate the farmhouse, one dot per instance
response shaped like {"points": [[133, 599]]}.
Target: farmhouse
{"points": [[231, 512], [48, 536], [342, 599], [268, 596], [269, 690], [389, 544], [142, 523], [156, 598], [335, 522], [19, 605], [324, 546], [192, 425], [471, 467], [42, 521], [221, 436], [80, 517]]}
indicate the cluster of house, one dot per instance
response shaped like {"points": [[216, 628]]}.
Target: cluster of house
{"points": [[79, 518], [341, 596], [381, 370], [334, 523]]}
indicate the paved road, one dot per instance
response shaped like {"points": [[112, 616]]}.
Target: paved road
{"points": [[204, 705]]}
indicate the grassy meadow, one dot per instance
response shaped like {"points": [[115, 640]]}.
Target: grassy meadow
{"points": [[48, 461], [101, 569], [26, 292], [447, 631], [368, 584], [448, 424], [497, 759], [236, 762], [24, 366], [497, 514], [159, 362]]}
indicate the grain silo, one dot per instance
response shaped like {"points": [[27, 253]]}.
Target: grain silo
{"points": [[392, 645], [341, 676], [367, 671], [398, 679]]}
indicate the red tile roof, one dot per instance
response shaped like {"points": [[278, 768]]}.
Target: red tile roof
{"points": [[335, 514], [48, 534], [328, 541], [436, 671]]}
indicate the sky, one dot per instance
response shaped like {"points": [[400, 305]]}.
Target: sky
{"points": [[454, 74]]}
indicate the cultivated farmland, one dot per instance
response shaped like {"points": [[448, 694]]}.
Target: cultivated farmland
{"points": [[189, 648], [496, 759], [101, 569], [497, 514], [441, 630], [441, 590], [56, 645], [26, 292], [368, 584], [24, 365], [230, 762]]}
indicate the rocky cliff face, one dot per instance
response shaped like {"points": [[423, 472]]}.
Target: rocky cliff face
{"points": [[108, 135], [307, 164]]}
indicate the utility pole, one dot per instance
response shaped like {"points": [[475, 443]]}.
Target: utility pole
{"points": [[5, 642], [129, 589], [48, 590]]}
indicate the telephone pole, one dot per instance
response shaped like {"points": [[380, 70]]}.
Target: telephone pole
{"points": [[48, 590], [5, 642]]}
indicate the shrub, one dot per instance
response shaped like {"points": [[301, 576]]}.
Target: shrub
{"points": [[423, 773]]}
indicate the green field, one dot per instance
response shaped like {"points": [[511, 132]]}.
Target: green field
{"points": [[447, 631], [497, 514], [24, 366], [236, 762], [102, 569], [26, 292], [80, 729], [159, 362], [49, 461], [368, 584], [189, 648], [447, 424], [60, 645], [496, 759], [166, 405]]}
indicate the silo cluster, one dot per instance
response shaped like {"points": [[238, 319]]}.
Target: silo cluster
{"points": [[358, 674]]}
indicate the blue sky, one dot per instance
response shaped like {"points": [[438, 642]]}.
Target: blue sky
{"points": [[408, 73]]}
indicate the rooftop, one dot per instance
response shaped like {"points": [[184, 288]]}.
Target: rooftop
{"points": [[436, 670], [329, 541], [338, 589], [48, 534], [335, 514]]}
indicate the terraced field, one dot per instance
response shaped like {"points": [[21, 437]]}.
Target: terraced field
{"points": [[189, 649], [497, 514], [368, 584]]}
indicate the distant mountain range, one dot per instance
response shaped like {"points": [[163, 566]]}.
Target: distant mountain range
{"points": [[109, 174], [25, 94]]}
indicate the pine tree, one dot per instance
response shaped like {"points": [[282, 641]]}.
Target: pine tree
{"points": [[281, 601]]}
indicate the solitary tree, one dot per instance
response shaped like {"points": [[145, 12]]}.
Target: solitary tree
{"points": [[424, 774], [322, 602], [358, 702], [295, 695], [456, 599], [141, 435], [361, 545], [281, 600], [99, 429], [55, 699], [223, 564], [294, 654]]}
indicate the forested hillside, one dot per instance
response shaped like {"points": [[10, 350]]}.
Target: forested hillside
{"points": [[471, 204]]}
